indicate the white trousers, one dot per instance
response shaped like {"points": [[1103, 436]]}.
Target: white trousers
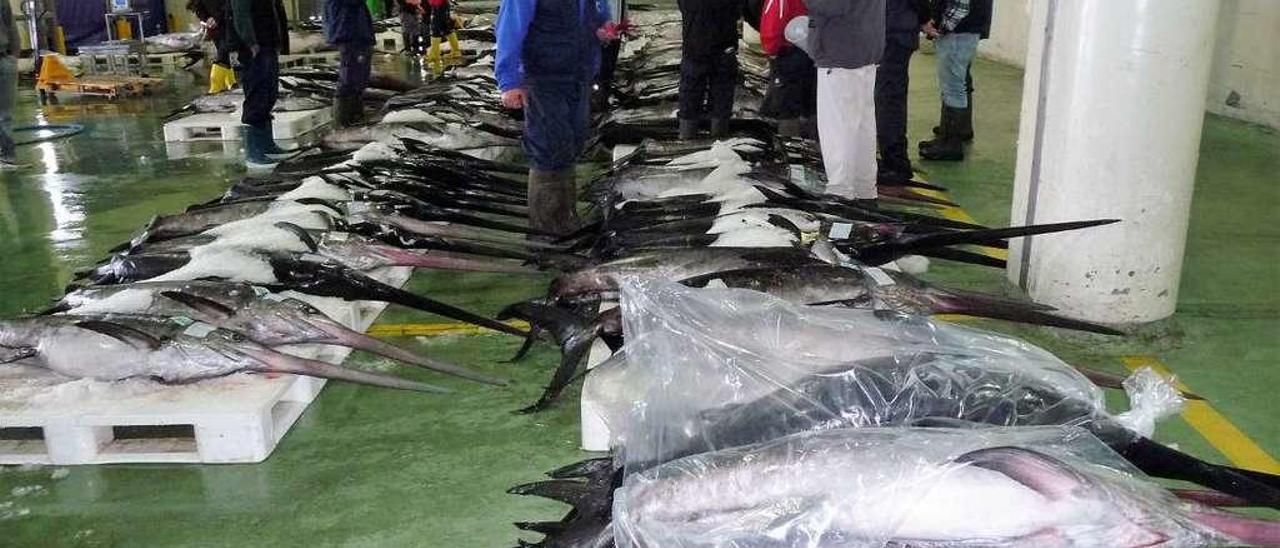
{"points": [[847, 130]]}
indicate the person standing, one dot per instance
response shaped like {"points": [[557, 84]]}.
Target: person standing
{"points": [[441, 25], [411, 25], [548, 53], [846, 38], [903, 21], [349, 26], [708, 64], [955, 26], [211, 14], [258, 35], [9, 48], [795, 79]]}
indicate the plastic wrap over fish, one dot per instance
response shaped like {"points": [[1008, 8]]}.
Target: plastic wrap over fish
{"points": [[708, 369], [1038, 486]]}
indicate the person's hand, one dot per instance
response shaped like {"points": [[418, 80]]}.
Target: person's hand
{"points": [[254, 49], [513, 98], [930, 30], [211, 23], [607, 32]]}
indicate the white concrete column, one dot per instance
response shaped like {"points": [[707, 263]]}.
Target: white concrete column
{"points": [[1112, 108]]}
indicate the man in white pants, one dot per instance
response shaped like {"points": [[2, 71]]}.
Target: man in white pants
{"points": [[846, 41]]}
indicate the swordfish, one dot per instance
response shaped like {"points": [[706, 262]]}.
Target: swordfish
{"points": [[171, 351], [270, 319]]}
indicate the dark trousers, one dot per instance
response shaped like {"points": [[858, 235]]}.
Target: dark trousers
{"points": [[707, 83], [892, 80], [795, 81], [608, 63], [441, 23], [260, 79], [353, 68], [556, 115]]}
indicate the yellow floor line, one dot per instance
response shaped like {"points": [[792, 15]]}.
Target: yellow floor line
{"points": [[1216, 428], [434, 329]]}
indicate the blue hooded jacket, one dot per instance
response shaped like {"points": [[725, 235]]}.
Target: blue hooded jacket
{"points": [[548, 40], [348, 22]]}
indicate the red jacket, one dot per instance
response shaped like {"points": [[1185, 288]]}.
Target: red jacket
{"points": [[774, 17]]}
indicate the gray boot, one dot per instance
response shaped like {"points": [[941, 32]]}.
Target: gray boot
{"points": [[688, 129], [553, 197]]}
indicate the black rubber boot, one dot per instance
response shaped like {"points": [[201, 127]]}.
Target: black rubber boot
{"points": [[347, 111], [553, 197], [273, 150], [719, 127], [947, 147], [688, 129]]}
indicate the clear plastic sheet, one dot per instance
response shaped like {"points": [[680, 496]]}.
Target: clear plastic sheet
{"points": [[708, 369], [1037, 486]]}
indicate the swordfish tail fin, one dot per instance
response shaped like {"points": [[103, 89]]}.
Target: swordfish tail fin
{"points": [[573, 332]]}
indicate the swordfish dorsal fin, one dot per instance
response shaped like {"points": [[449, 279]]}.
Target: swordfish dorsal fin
{"points": [[125, 334], [200, 304]]}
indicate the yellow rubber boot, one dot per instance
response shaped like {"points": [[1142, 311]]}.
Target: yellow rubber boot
{"points": [[221, 78], [433, 57], [455, 51]]}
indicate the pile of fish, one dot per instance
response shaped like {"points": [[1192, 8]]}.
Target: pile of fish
{"points": [[779, 382]]}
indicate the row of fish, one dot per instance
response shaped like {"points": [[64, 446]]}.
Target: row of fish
{"points": [[776, 380]]}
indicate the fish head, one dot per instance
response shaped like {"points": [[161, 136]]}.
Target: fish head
{"points": [[290, 321]]}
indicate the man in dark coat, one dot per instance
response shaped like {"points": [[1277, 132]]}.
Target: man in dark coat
{"points": [[212, 14], [258, 35], [708, 63], [349, 26], [903, 20]]}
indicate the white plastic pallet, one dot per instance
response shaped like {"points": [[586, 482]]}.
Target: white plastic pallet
{"points": [[216, 126], [389, 42], [235, 419]]}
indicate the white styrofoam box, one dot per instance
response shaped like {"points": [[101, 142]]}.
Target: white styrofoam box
{"points": [[177, 150], [595, 431], [234, 419], [218, 126]]}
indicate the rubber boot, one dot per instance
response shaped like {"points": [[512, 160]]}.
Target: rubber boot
{"points": [[221, 78], [255, 156], [948, 147], [966, 133], [433, 57], [688, 129], [348, 111], [719, 127], [553, 197], [273, 150], [455, 50]]}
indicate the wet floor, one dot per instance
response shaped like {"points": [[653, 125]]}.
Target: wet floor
{"points": [[369, 467]]}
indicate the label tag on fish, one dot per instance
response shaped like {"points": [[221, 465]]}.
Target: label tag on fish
{"points": [[337, 236], [878, 275], [356, 208], [199, 330], [182, 321], [840, 231], [261, 291]]}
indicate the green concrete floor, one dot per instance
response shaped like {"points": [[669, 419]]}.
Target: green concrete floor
{"points": [[369, 467]]}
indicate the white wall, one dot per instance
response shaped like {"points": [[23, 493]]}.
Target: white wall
{"points": [[1246, 55]]}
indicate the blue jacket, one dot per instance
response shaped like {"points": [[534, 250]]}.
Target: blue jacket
{"points": [[549, 40], [348, 22]]}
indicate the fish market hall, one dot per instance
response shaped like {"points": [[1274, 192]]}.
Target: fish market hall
{"points": [[639, 273]]}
